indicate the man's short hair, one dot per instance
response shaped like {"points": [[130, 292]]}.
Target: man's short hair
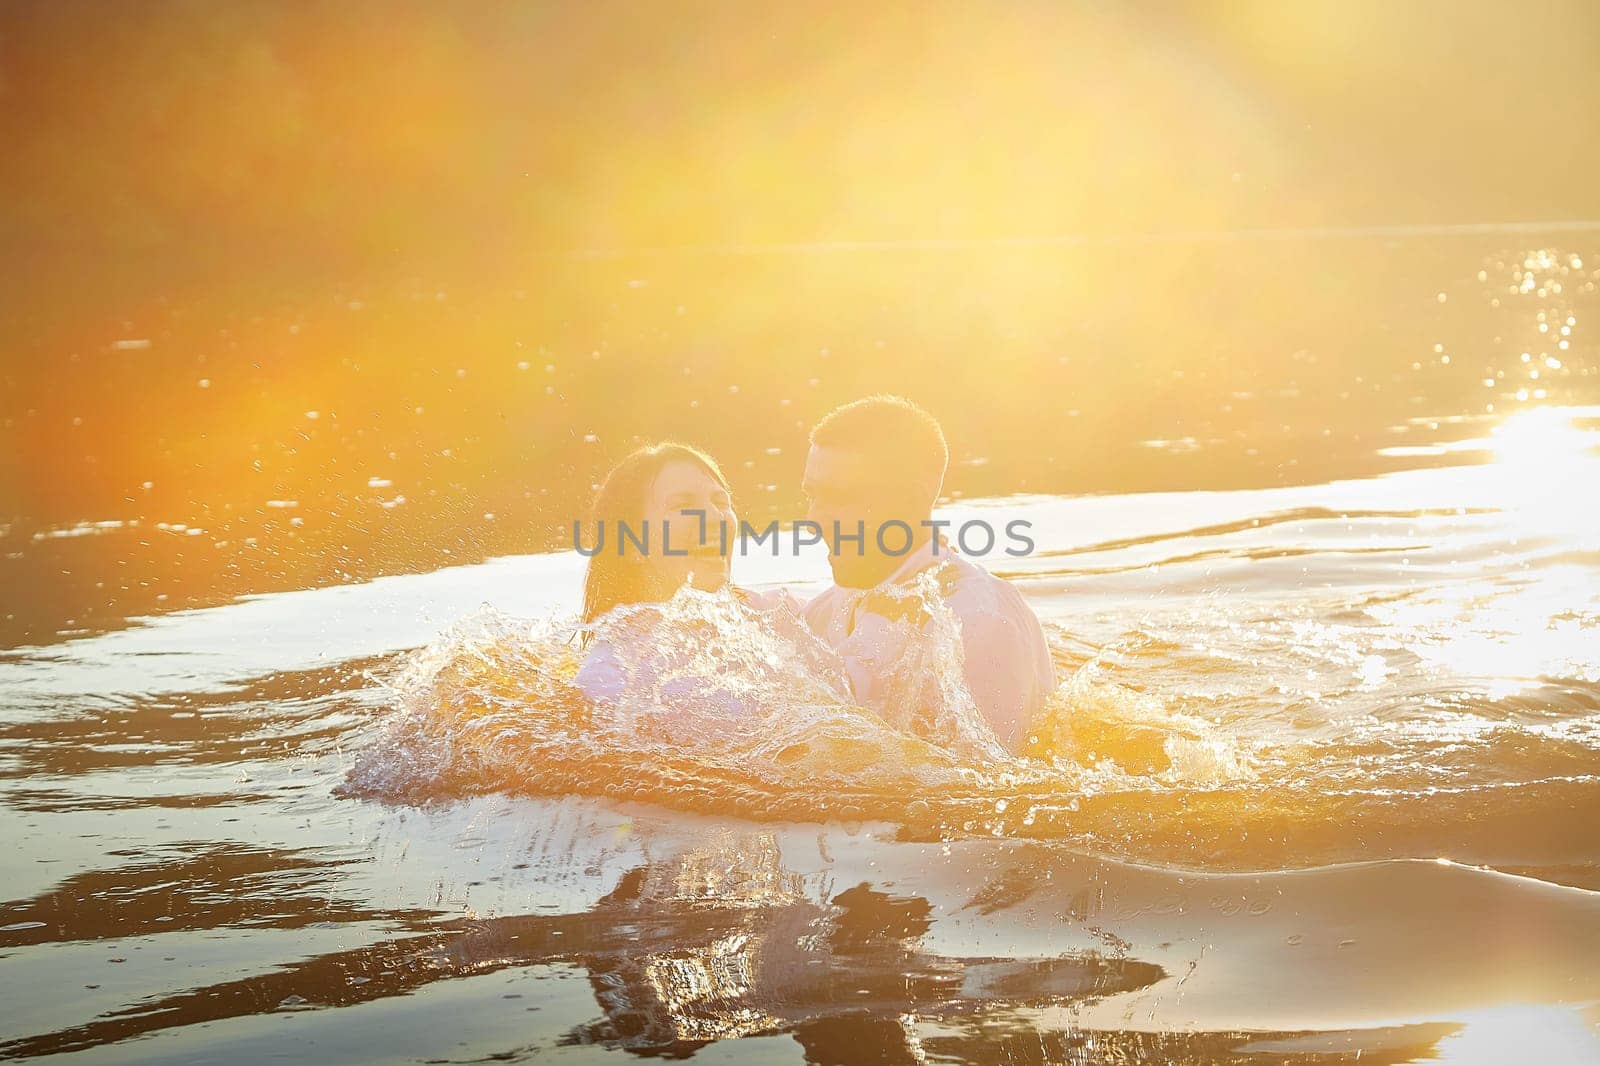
{"points": [[897, 436]]}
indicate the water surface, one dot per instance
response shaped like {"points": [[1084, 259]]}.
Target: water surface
{"points": [[1321, 779]]}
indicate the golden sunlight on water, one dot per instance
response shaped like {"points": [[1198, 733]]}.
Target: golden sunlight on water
{"points": [[1515, 1033], [1549, 471], [1274, 698], [1272, 322]]}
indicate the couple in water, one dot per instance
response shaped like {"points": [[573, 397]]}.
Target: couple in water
{"points": [[905, 602]]}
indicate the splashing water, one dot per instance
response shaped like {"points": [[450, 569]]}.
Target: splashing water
{"points": [[731, 709], [1147, 750]]}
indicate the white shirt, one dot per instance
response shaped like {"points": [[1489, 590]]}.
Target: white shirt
{"points": [[1005, 661]]}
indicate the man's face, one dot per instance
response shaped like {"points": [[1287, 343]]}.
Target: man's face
{"points": [[841, 486]]}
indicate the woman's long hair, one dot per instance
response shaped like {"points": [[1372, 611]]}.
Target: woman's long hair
{"points": [[614, 579]]}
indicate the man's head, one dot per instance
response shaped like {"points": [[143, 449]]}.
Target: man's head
{"points": [[873, 461]]}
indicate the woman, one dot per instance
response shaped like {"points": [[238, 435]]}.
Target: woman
{"points": [[643, 507], [664, 523]]}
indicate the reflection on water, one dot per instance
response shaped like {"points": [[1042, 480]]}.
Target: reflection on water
{"points": [[719, 943], [790, 965], [957, 952]]}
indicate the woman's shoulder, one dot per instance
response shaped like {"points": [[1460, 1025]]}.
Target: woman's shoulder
{"points": [[614, 646]]}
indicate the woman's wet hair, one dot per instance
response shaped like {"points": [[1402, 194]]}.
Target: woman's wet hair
{"points": [[900, 439], [615, 579]]}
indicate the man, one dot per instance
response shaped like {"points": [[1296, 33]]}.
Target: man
{"points": [[875, 468]]}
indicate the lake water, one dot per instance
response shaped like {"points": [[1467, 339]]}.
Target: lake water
{"points": [[1317, 555]]}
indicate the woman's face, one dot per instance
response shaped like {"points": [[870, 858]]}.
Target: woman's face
{"points": [[687, 512]]}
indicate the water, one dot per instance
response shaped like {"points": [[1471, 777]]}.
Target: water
{"points": [[1320, 778]]}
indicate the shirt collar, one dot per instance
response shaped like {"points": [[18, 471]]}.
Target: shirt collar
{"points": [[934, 550]]}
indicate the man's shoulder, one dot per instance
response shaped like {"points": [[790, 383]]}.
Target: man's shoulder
{"points": [[969, 586], [988, 603]]}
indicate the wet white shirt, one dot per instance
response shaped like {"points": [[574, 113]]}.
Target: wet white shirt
{"points": [[1006, 661]]}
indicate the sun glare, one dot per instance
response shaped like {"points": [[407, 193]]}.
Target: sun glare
{"points": [[1521, 1033], [1548, 467]]}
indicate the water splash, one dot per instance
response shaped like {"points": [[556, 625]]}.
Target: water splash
{"points": [[727, 708]]}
